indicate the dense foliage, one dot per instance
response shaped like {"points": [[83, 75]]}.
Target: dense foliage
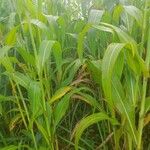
{"points": [[74, 74]]}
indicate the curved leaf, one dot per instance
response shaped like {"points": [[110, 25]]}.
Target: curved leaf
{"points": [[88, 121], [95, 16], [38, 23], [135, 13], [108, 63]]}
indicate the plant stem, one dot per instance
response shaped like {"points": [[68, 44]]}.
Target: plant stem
{"points": [[142, 110], [141, 114], [33, 136], [144, 26], [18, 103]]}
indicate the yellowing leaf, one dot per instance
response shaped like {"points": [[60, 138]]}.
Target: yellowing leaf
{"points": [[59, 93], [147, 119], [14, 121]]}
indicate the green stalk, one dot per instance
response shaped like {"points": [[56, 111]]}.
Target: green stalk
{"points": [[32, 37], [144, 26], [39, 9], [141, 114], [142, 110], [40, 80], [45, 113], [23, 102], [141, 46], [19, 106], [129, 139], [33, 136]]}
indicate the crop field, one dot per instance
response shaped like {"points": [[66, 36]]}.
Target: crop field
{"points": [[74, 74]]}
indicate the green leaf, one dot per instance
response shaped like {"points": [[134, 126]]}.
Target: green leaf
{"points": [[108, 64], [61, 108], [11, 37], [80, 48], [10, 147], [6, 62], [20, 79], [123, 36], [95, 69], [57, 52], [137, 64], [119, 65], [103, 28], [30, 7], [38, 23], [88, 121], [132, 62], [89, 100], [95, 16], [70, 72], [28, 58], [51, 18], [3, 51], [130, 87], [43, 131], [117, 12], [125, 107], [44, 54], [135, 13], [35, 98]]}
